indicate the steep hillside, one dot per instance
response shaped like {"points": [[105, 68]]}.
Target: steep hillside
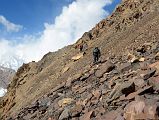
{"points": [[66, 85]]}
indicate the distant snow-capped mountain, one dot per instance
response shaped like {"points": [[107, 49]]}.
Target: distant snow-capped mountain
{"points": [[12, 62], [6, 75]]}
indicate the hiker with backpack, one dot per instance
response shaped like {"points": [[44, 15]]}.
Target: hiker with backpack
{"points": [[96, 55]]}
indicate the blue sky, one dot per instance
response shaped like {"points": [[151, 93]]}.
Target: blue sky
{"points": [[32, 14]]}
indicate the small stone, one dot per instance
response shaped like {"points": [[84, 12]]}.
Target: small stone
{"points": [[65, 101], [142, 59], [132, 58]]}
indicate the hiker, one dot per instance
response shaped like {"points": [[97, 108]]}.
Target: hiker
{"points": [[81, 47], [96, 54]]}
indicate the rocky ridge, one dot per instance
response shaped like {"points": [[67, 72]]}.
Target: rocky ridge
{"points": [[124, 85]]}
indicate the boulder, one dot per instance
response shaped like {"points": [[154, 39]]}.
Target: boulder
{"points": [[139, 82], [76, 110], [78, 56], [132, 58], [125, 67], [64, 115], [147, 89], [141, 109], [155, 83], [127, 87], [147, 74], [104, 68], [72, 79]]}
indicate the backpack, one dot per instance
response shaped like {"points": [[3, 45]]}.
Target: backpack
{"points": [[95, 50]]}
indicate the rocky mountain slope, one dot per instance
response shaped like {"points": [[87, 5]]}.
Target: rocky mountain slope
{"points": [[66, 85]]}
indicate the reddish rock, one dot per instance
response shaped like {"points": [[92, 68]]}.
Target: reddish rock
{"points": [[127, 87], [76, 110], [105, 68], [96, 94], [155, 83], [144, 66], [155, 65], [110, 115], [140, 109], [140, 91], [103, 80], [139, 83], [124, 67]]}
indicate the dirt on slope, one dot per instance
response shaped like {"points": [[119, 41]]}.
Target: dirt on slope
{"points": [[65, 84]]}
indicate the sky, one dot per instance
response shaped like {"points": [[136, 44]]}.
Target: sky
{"points": [[31, 28]]}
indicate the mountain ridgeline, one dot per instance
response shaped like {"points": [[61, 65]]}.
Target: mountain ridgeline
{"points": [[65, 85]]}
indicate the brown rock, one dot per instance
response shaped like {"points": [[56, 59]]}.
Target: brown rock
{"points": [[125, 67], [140, 109], [65, 101], [147, 74], [78, 56], [154, 82], [132, 58], [139, 82], [157, 56], [144, 66], [65, 69], [140, 91], [72, 79], [127, 87], [64, 115], [96, 94], [76, 110], [155, 65], [105, 68], [111, 115]]}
